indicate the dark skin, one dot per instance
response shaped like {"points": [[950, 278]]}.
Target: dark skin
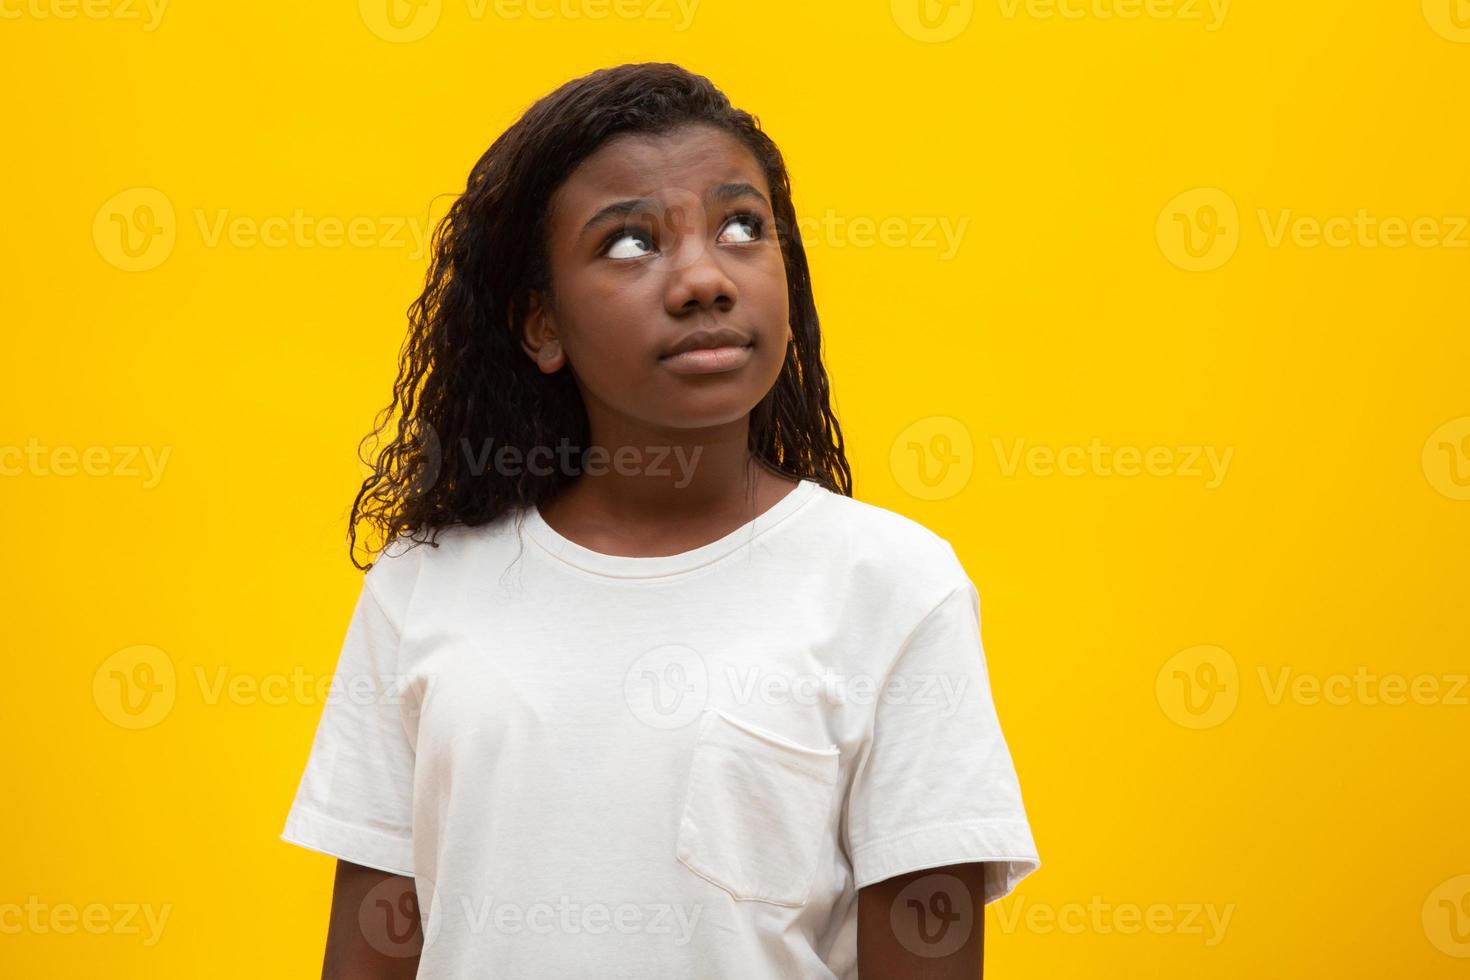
{"points": [[885, 952], [882, 953], [365, 941], [697, 250]]}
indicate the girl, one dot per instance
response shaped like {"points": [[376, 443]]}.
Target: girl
{"points": [[635, 688]]}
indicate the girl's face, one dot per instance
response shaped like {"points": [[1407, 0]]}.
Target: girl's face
{"points": [[651, 240]]}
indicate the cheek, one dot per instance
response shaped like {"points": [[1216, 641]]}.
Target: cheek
{"points": [[607, 317], [767, 289]]}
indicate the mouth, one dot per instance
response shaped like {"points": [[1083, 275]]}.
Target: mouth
{"points": [[709, 351], [709, 360]]}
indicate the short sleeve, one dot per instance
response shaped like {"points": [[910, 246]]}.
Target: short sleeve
{"points": [[355, 798], [937, 785]]}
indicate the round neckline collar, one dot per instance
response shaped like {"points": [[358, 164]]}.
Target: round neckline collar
{"points": [[626, 566]]}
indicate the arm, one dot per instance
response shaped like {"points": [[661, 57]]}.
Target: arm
{"points": [[892, 941], [374, 931]]}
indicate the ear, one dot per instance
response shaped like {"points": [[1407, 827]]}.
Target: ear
{"points": [[538, 336]]}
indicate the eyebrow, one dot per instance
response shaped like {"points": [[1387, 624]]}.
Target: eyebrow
{"points": [[619, 210]]}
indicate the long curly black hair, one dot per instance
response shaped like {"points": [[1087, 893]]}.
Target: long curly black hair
{"points": [[463, 378]]}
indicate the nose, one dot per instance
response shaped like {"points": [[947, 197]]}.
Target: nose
{"points": [[698, 280]]}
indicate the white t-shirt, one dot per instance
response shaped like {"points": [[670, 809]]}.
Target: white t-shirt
{"points": [[677, 766]]}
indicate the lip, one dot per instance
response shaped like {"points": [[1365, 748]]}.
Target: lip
{"points": [[708, 360], [708, 351], [707, 340]]}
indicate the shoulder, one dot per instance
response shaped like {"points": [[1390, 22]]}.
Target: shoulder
{"points": [[413, 558], [890, 554]]}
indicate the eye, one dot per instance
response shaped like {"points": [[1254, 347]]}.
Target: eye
{"points": [[749, 225], [617, 245]]}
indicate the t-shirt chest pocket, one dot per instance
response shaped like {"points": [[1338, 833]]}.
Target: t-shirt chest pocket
{"points": [[755, 812]]}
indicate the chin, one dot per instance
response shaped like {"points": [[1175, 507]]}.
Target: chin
{"points": [[718, 405]]}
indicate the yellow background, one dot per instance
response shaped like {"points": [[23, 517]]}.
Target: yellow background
{"points": [[1332, 834]]}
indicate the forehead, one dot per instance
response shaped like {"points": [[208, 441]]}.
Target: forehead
{"points": [[634, 165]]}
